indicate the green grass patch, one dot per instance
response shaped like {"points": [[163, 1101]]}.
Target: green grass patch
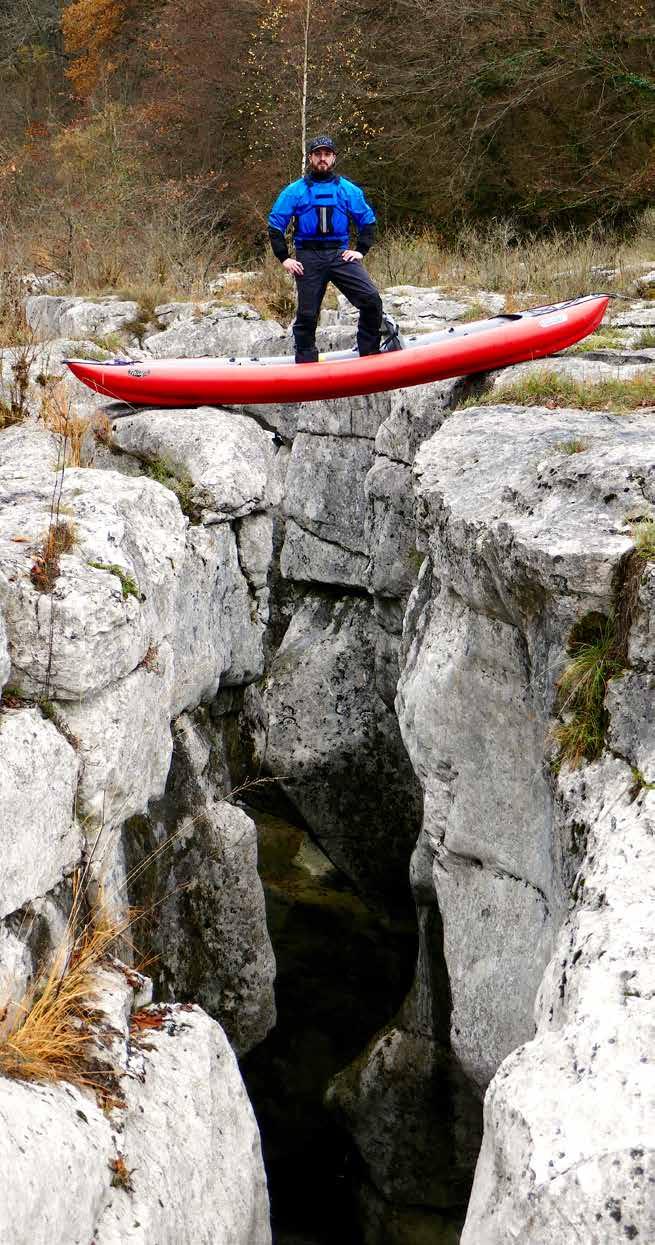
{"points": [[546, 388], [605, 340], [95, 354], [475, 311], [574, 446], [645, 341], [595, 659], [643, 534], [129, 586], [111, 342]]}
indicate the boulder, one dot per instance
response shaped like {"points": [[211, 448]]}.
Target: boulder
{"points": [[216, 331], [209, 939], [50, 315], [99, 621], [226, 456], [41, 841], [523, 540], [327, 724], [569, 1137]]}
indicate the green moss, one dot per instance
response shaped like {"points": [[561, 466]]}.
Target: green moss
{"points": [[128, 584], [639, 783], [161, 470], [416, 560]]}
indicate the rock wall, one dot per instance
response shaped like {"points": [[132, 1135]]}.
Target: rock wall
{"points": [[238, 594], [535, 870]]}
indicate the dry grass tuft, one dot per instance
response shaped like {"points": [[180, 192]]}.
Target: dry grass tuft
{"points": [[121, 1175], [61, 417], [50, 1035], [273, 294], [59, 539], [643, 534]]}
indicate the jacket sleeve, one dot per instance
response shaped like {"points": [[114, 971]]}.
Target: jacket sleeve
{"points": [[278, 220], [363, 216]]}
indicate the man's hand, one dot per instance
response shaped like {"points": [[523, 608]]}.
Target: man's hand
{"points": [[294, 267], [349, 256]]}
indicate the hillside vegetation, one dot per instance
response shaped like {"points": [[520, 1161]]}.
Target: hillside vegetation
{"points": [[161, 129]]}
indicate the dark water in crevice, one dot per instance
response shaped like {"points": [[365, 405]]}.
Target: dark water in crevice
{"points": [[343, 971]]}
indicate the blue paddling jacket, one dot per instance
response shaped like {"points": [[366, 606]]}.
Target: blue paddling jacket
{"points": [[322, 209]]}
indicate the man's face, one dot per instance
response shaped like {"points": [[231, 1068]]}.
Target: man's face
{"points": [[322, 160]]}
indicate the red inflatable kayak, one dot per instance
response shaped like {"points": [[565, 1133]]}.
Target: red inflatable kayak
{"points": [[474, 347]]}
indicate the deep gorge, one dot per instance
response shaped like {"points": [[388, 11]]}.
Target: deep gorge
{"points": [[315, 746]]}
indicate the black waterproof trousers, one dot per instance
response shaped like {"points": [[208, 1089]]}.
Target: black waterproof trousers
{"points": [[352, 279]]}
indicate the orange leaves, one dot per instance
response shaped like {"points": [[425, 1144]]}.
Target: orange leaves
{"points": [[90, 29]]}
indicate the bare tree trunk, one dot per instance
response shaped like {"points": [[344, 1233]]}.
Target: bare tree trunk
{"points": [[305, 68]]}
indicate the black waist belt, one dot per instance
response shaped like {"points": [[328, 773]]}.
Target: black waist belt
{"points": [[319, 244]]}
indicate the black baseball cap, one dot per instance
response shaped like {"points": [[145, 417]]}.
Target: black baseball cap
{"points": [[322, 140]]}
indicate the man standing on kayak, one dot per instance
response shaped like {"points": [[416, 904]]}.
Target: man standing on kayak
{"points": [[322, 205]]}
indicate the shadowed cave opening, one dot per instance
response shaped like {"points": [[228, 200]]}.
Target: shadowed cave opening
{"points": [[343, 973]]}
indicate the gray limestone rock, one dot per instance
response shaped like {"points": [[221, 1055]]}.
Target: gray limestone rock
{"points": [[390, 529], [569, 1137], [213, 1188], [640, 315], [94, 626], [226, 456], [210, 939], [220, 618], [523, 540], [41, 840], [580, 368], [415, 415], [324, 488], [336, 747], [50, 315], [220, 332], [124, 740], [345, 417], [308, 559], [5, 660], [183, 1081]]}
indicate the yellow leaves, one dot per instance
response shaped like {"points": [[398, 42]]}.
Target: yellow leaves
{"points": [[89, 28]]}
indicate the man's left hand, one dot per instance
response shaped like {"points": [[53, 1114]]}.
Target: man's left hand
{"points": [[349, 256]]}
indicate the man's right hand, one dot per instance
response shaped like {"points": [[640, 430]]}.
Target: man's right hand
{"points": [[294, 267]]}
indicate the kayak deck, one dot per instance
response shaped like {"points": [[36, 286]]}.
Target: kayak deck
{"points": [[477, 346]]}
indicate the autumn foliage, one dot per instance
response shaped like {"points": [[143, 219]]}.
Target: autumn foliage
{"points": [[165, 129]]}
